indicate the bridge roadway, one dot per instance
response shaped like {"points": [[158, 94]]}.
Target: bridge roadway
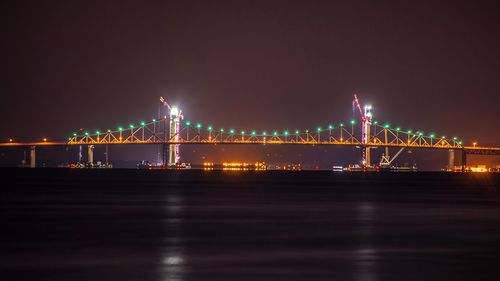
{"points": [[473, 150]]}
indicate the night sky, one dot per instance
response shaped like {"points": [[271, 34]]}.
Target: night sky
{"points": [[250, 64]]}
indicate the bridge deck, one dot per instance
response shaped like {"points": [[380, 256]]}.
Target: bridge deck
{"points": [[468, 149]]}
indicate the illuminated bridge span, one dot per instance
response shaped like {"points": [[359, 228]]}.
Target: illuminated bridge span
{"points": [[341, 134], [172, 131]]}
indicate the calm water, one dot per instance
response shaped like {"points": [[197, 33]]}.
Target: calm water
{"points": [[194, 225]]}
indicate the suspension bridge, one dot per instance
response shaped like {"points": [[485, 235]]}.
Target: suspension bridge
{"points": [[172, 130]]}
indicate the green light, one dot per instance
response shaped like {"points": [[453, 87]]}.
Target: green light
{"points": [[443, 137], [353, 122], [74, 134], [275, 133], [398, 129], [431, 136], [254, 133], [109, 131], [318, 129], [131, 126], [242, 132], [454, 138], [297, 132], [222, 130], [341, 124], [154, 120], [409, 131], [86, 133], [285, 133], [198, 126], [120, 129], [330, 127], [421, 134], [209, 128], [69, 139], [97, 132], [376, 122], [143, 123], [188, 123], [264, 133], [460, 142], [386, 126], [231, 131]]}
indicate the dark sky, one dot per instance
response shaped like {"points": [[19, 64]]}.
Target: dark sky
{"points": [[250, 64]]}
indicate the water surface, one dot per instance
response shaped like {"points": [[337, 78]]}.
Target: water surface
{"points": [[59, 224]]}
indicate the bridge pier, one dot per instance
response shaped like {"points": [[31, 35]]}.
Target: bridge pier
{"points": [[90, 154], [107, 155], [80, 155], [32, 156], [164, 154], [464, 160], [451, 159], [368, 161]]}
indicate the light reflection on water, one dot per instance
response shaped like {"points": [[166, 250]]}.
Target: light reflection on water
{"points": [[365, 255], [173, 259]]}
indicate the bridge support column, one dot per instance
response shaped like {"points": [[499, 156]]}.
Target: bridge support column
{"points": [[90, 154], [368, 161], [107, 155], [164, 154], [32, 156], [464, 160], [80, 154], [451, 160]]}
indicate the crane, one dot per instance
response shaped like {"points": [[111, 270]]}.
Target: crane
{"points": [[358, 106], [172, 110], [386, 160]]}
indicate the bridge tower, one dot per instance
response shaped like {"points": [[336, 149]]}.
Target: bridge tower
{"points": [[367, 122], [174, 133]]}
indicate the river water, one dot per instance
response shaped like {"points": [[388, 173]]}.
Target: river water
{"points": [[70, 224]]}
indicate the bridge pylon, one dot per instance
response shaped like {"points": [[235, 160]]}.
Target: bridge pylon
{"points": [[366, 122], [174, 136]]}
